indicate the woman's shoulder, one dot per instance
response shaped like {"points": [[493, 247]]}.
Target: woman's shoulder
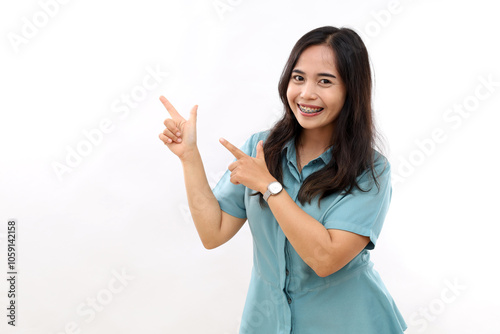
{"points": [[380, 161], [258, 136], [250, 146], [381, 167], [261, 135]]}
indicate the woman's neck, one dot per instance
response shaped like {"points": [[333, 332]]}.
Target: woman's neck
{"points": [[310, 145], [314, 140]]}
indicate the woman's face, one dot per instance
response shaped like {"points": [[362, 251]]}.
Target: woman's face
{"points": [[316, 93]]}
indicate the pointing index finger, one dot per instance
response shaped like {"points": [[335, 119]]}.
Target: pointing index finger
{"points": [[238, 154], [170, 108]]}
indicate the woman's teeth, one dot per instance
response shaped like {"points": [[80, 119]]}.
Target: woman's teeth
{"points": [[308, 110]]}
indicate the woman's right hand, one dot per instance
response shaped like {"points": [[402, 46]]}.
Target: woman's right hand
{"points": [[179, 134]]}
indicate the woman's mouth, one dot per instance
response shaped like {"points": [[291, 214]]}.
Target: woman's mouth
{"points": [[309, 111]]}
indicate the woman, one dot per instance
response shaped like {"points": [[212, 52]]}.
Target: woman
{"points": [[315, 193]]}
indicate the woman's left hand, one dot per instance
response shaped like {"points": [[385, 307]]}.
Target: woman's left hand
{"points": [[248, 171]]}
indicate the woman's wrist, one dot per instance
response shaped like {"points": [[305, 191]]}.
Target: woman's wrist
{"points": [[190, 156], [265, 184]]}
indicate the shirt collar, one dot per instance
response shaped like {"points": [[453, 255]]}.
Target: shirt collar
{"points": [[289, 150]]}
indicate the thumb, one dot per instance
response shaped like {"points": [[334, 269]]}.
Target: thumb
{"points": [[193, 114], [260, 150]]}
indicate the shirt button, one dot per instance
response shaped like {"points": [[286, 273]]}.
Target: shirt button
{"points": [[289, 300]]}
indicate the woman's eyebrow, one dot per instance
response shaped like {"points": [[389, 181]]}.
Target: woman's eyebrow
{"points": [[319, 74]]}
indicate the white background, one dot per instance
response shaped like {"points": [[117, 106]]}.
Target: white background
{"points": [[122, 209]]}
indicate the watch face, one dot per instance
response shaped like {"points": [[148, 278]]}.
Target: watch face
{"points": [[275, 187]]}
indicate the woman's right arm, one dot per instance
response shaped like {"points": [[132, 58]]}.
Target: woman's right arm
{"points": [[214, 226]]}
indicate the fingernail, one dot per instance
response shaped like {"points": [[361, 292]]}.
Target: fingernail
{"points": [[179, 140], [222, 140], [178, 134]]}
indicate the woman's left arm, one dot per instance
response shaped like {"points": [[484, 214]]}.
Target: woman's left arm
{"points": [[324, 250]]}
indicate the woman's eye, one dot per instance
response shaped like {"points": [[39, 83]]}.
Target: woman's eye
{"points": [[298, 77], [325, 81]]}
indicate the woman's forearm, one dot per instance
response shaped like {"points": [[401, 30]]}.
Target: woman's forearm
{"points": [[308, 237], [205, 209], [325, 251]]}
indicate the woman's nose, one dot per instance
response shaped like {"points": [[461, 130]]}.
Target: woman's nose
{"points": [[308, 91]]}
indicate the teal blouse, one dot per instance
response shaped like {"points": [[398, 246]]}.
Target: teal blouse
{"points": [[285, 295]]}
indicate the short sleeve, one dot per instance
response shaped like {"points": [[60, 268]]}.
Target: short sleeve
{"points": [[363, 212], [231, 197]]}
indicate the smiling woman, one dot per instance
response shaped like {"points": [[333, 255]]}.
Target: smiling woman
{"points": [[315, 193], [309, 83], [315, 79]]}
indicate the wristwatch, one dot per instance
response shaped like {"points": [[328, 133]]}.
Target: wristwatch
{"points": [[273, 188]]}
